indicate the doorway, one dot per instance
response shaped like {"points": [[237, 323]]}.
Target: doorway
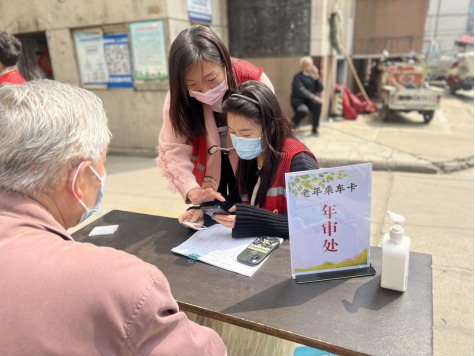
{"points": [[35, 61]]}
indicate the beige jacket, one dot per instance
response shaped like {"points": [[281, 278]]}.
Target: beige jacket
{"points": [[61, 297]]}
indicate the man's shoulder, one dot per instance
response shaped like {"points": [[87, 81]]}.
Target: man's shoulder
{"points": [[110, 265], [109, 279], [79, 289], [84, 267]]}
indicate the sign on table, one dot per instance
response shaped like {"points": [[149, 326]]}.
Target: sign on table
{"points": [[329, 212]]}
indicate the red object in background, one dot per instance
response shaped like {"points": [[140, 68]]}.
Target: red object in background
{"points": [[465, 39], [44, 62], [348, 112], [452, 79], [12, 77], [354, 104], [368, 107]]}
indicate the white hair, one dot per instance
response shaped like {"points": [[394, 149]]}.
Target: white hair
{"points": [[47, 128], [306, 59]]}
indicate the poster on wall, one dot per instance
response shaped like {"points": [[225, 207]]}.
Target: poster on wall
{"points": [[90, 53], [149, 52], [329, 213], [200, 10], [117, 54]]}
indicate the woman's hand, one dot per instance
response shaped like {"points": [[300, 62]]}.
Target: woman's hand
{"points": [[227, 220], [198, 196], [192, 215]]}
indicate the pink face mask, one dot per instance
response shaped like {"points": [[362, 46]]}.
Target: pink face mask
{"points": [[212, 96]]}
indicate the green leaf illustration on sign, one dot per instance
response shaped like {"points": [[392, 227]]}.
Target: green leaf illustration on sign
{"points": [[312, 181]]}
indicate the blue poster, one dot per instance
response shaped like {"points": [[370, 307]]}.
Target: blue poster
{"points": [[116, 48], [200, 10]]}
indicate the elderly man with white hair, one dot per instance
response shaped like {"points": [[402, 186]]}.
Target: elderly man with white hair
{"points": [[58, 296], [305, 86]]}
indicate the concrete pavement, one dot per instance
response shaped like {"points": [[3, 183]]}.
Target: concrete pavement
{"points": [[439, 220], [404, 143]]}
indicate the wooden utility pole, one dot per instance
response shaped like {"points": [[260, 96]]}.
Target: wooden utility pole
{"points": [[437, 20]]}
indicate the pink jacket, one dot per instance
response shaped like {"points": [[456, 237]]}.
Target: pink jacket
{"points": [[175, 152], [61, 297]]}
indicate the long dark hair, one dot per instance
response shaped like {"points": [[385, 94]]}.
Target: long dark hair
{"points": [[276, 128], [196, 44]]}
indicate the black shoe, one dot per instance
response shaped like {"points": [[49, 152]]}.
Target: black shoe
{"points": [[315, 133]]}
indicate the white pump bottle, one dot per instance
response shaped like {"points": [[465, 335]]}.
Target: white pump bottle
{"points": [[395, 266]]}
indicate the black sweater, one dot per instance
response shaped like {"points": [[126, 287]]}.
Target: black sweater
{"points": [[252, 221], [304, 88]]}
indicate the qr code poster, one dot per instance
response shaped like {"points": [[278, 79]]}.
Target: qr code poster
{"points": [[116, 48]]}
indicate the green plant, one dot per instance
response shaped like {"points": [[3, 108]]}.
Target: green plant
{"points": [[312, 181]]}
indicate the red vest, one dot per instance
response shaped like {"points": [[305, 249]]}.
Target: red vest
{"points": [[276, 200], [12, 77], [244, 71]]}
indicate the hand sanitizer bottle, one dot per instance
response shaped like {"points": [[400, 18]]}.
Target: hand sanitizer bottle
{"points": [[395, 256]]}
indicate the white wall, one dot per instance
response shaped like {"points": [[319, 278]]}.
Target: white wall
{"points": [[320, 28], [135, 117], [453, 17]]}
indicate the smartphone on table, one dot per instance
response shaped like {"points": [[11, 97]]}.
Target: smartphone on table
{"points": [[257, 252]]}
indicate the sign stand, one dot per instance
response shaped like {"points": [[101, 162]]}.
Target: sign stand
{"points": [[329, 213]]}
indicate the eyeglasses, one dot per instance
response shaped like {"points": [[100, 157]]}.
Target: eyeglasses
{"points": [[213, 149]]}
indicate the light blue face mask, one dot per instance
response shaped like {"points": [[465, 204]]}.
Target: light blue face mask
{"points": [[247, 148], [96, 208]]}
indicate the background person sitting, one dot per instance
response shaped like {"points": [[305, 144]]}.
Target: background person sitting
{"points": [[305, 86]]}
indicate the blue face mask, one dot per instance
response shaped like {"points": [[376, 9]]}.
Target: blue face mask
{"points": [[96, 208], [247, 148]]}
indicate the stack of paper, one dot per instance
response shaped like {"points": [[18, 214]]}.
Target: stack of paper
{"points": [[217, 247]]}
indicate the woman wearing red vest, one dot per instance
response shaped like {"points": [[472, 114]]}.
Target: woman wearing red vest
{"points": [[194, 138], [263, 138], [10, 50]]}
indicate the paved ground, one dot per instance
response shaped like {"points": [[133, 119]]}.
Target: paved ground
{"points": [[405, 143], [439, 207]]}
